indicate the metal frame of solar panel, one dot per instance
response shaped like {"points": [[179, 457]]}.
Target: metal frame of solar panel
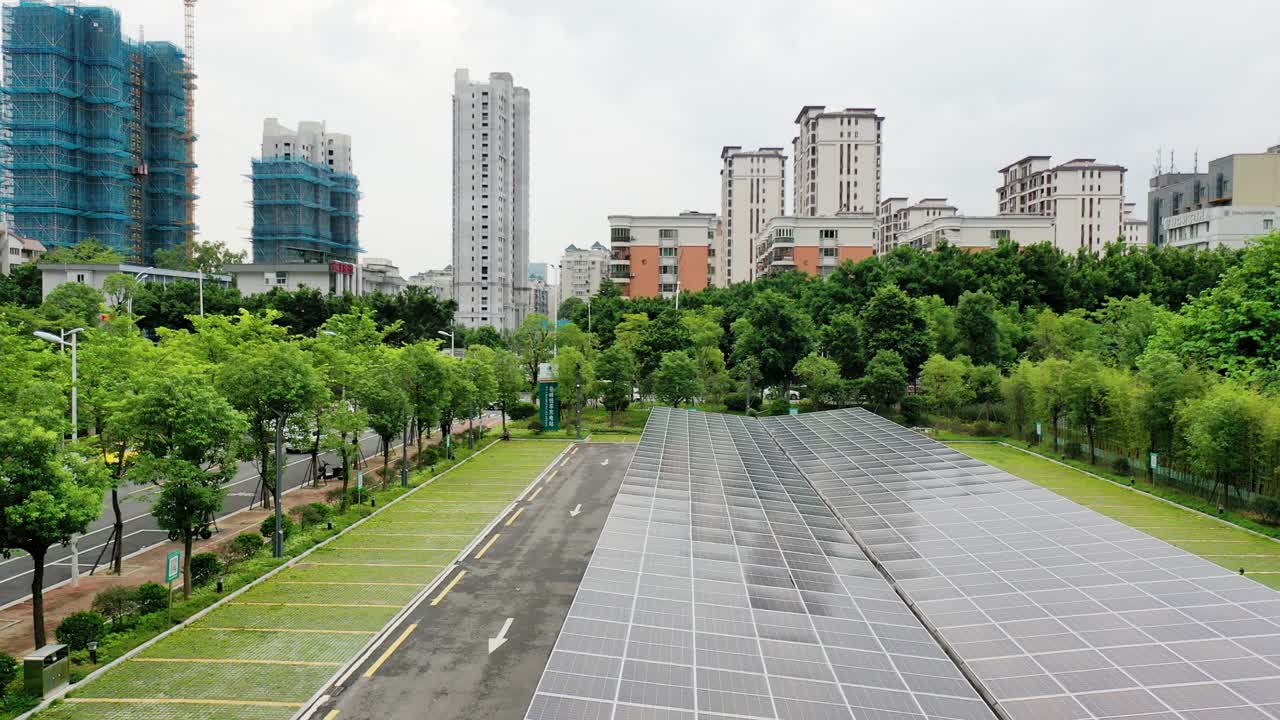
{"points": [[722, 586], [1059, 611]]}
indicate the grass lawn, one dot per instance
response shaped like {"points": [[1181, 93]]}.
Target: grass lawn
{"points": [[1223, 544], [272, 647]]}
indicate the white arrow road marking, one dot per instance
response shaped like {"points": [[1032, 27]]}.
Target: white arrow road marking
{"points": [[606, 461], [497, 642], [574, 512]]}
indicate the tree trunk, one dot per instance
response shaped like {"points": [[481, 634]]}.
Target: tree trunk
{"points": [[346, 472], [417, 428], [37, 595], [504, 418], [386, 462], [186, 564], [1093, 455], [117, 553], [267, 483]]}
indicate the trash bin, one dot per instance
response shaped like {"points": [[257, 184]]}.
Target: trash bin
{"points": [[46, 669]]}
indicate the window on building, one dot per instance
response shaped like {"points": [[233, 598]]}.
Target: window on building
{"points": [[999, 234], [1267, 223], [828, 234]]}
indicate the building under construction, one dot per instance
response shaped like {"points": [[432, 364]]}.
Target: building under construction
{"points": [[305, 196], [95, 135]]}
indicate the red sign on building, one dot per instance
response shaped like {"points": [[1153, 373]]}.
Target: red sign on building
{"points": [[342, 268]]}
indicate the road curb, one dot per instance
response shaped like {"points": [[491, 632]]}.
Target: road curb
{"points": [[58, 695], [310, 706]]}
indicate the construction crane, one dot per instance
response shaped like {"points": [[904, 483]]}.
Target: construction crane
{"points": [[189, 7]]}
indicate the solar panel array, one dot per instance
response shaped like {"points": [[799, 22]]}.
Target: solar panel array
{"points": [[1059, 611], [723, 587]]}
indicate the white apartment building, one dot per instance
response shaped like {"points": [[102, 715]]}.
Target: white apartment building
{"points": [[490, 201], [836, 160], [752, 191], [311, 142], [581, 271], [1084, 197], [898, 216], [380, 275], [1212, 227], [975, 233], [437, 282], [1134, 230], [815, 244]]}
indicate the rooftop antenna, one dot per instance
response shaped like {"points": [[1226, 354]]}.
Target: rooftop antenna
{"points": [[1159, 168], [1173, 164], [1196, 162]]}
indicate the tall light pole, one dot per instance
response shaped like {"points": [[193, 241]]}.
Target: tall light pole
{"points": [[61, 340], [277, 542], [452, 344], [138, 278], [555, 310]]}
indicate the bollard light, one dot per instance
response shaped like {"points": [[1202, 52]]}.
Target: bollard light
{"points": [[221, 581], [93, 652], [330, 524]]}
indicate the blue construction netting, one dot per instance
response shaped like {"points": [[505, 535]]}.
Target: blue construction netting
{"points": [[72, 167], [303, 212]]}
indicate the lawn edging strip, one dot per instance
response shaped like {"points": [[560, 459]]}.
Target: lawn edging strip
{"points": [[343, 673], [1130, 488], [96, 674]]}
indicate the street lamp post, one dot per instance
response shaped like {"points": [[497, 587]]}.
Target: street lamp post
{"points": [[147, 272], [61, 339], [579, 401], [404, 457], [452, 342], [448, 434], [277, 544], [555, 311]]}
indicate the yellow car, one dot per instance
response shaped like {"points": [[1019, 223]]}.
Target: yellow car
{"points": [[113, 459]]}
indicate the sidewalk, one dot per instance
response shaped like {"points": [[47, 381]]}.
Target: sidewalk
{"points": [[15, 622]]}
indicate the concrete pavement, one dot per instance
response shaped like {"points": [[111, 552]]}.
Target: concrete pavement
{"points": [[438, 663]]}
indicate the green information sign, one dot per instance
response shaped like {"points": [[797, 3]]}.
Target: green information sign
{"points": [[173, 566], [549, 405]]}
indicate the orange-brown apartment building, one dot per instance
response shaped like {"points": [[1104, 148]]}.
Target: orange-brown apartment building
{"points": [[662, 255], [815, 245]]}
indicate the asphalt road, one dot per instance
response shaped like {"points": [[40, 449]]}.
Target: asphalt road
{"points": [[140, 530], [443, 669]]}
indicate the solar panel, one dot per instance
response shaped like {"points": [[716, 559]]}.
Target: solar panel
{"points": [[722, 586], [1059, 611]]}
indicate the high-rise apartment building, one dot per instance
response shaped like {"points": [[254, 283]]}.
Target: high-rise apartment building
{"points": [[490, 201], [582, 271], [94, 134], [1084, 197], [815, 245], [752, 192], [836, 161], [305, 196], [662, 255]]}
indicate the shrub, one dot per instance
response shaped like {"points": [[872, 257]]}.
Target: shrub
{"points": [[77, 630], [152, 597], [204, 567], [243, 547], [1072, 450], [310, 515], [1268, 508], [1120, 466], [535, 425], [736, 402], [8, 671], [780, 405], [913, 409], [522, 410], [429, 456], [268, 527], [986, 428], [116, 603]]}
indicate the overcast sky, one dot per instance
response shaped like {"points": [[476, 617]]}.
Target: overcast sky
{"points": [[631, 102]]}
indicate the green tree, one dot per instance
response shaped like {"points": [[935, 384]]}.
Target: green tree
{"points": [[86, 252], [614, 370], [1051, 393], [1222, 430], [940, 319], [187, 434], [776, 333], [47, 495], [1019, 395], [1166, 383], [269, 383], [841, 340], [945, 384], [509, 381], [426, 383], [885, 383], [893, 321], [72, 305], [383, 392], [676, 380], [1086, 395], [532, 341], [479, 368], [978, 328], [821, 378], [458, 399], [1126, 326], [485, 335]]}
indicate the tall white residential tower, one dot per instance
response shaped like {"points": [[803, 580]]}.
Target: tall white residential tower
{"points": [[752, 192], [1083, 196], [490, 201], [836, 161]]}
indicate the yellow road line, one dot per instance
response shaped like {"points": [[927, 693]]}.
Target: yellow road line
{"points": [[392, 548], [514, 516], [488, 545], [185, 701], [324, 605], [229, 661], [332, 714], [325, 582], [574, 451], [456, 578], [536, 492], [305, 631], [552, 475], [394, 646]]}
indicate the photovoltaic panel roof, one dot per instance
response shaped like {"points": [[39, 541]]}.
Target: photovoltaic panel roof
{"points": [[723, 587], [1059, 611]]}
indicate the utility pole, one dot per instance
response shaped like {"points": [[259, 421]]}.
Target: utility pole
{"points": [[277, 543], [748, 408], [404, 457]]}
